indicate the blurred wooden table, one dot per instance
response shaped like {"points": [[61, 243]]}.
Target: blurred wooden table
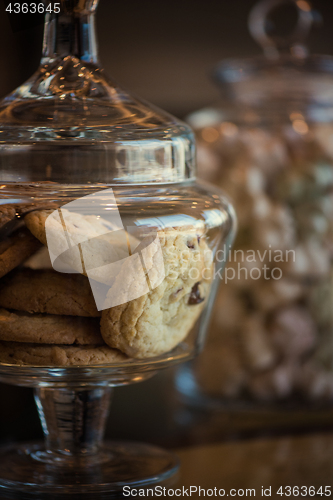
{"points": [[255, 463]]}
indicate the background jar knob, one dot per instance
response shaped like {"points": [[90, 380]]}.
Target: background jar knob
{"points": [[274, 45]]}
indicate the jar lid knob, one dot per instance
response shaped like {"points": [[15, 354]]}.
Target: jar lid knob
{"points": [[274, 45]]}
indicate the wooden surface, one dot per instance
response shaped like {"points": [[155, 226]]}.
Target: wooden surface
{"points": [[284, 461]]}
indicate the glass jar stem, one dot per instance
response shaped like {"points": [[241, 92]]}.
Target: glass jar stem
{"points": [[73, 419], [70, 33]]}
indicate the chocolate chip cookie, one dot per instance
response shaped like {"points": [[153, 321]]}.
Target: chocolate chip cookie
{"points": [[160, 319]]}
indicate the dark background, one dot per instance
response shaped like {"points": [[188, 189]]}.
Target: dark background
{"points": [[161, 50]]}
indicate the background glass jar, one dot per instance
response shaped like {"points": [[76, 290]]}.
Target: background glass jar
{"points": [[268, 143]]}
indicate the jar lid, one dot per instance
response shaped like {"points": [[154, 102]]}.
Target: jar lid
{"points": [[286, 72], [71, 112]]}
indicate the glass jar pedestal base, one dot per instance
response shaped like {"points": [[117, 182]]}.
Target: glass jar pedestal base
{"points": [[73, 458], [30, 469]]}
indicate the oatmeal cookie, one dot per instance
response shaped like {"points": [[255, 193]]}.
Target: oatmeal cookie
{"points": [[58, 355], [47, 292], [160, 319], [7, 214], [48, 329], [16, 249]]}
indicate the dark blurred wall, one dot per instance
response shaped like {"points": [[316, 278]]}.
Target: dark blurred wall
{"points": [[161, 50]]}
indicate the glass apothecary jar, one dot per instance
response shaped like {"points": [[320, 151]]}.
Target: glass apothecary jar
{"points": [[107, 258], [269, 145]]}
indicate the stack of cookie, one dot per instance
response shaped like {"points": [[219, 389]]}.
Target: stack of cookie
{"points": [[50, 318]]}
